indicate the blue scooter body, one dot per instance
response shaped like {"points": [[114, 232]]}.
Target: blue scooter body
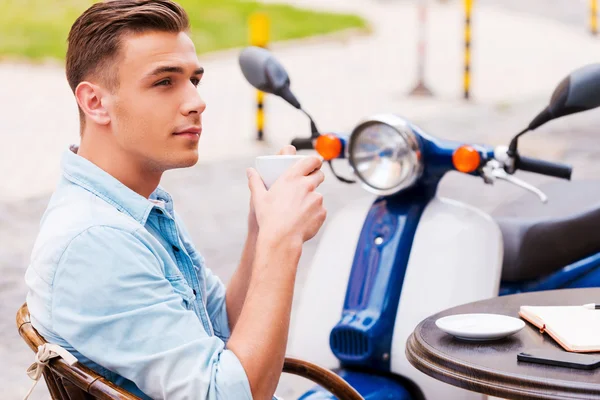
{"points": [[363, 336]]}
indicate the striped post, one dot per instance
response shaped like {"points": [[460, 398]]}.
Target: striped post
{"points": [[259, 36], [467, 73], [594, 16], [421, 89]]}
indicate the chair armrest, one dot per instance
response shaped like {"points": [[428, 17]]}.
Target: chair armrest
{"points": [[321, 376]]}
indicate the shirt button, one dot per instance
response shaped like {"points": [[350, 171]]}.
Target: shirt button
{"points": [[175, 249]]}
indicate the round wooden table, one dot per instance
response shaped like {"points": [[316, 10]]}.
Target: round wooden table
{"points": [[492, 367]]}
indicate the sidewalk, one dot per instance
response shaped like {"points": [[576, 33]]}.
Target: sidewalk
{"points": [[339, 82]]}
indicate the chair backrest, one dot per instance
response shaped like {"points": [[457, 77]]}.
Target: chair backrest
{"points": [[66, 382], [77, 382]]}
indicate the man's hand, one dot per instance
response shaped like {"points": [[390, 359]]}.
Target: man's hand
{"points": [[287, 215], [252, 223], [238, 285], [291, 209]]}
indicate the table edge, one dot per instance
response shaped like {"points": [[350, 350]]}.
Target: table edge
{"points": [[437, 365]]}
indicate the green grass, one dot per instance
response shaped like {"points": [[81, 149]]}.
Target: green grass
{"points": [[38, 29]]}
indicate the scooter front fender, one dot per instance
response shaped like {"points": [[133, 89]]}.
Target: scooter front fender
{"points": [[370, 386]]}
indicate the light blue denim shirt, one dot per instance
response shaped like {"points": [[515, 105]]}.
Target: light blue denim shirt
{"points": [[115, 279]]}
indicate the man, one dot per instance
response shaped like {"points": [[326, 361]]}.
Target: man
{"points": [[114, 277]]}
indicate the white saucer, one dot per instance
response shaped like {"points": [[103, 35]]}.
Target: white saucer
{"points": [[480, 327]]}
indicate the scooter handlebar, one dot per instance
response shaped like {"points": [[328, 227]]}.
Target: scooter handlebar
{"points": [[303, 143], [544, 167]]}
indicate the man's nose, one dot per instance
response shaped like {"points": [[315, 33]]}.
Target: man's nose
{"points": [[193, 103]]}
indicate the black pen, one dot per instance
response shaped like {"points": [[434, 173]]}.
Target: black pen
{"points": [[592, 306]]}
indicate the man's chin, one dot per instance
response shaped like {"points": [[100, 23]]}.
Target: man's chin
{"points": [[190, 159], [183, 159], [187, 160]]}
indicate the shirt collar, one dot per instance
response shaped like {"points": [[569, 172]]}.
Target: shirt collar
{"points": [[89, 176]]}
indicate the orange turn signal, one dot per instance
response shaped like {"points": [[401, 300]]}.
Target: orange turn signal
{"points": [[466, 159], [328, 146]]}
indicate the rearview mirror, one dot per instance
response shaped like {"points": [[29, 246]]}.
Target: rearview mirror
{"points": [[580, 91], [265, 73]]}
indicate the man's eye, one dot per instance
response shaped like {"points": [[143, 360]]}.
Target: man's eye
{"points": [[164, 82], [195, 81]]}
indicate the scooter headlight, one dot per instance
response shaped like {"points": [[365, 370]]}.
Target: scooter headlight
{"points": [[384, 153]]}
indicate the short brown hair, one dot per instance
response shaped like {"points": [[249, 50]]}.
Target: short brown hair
{"points": [[95, 37]]}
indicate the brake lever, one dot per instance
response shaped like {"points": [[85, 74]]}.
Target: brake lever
{"points": [[503, 175], [494, 170]]}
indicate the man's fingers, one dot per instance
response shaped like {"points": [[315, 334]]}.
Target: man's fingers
{"points": [[255, 183], [306, 166], [287, 150], [315, 179]]}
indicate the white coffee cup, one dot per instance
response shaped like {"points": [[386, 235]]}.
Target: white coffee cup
{"points": [[271, 167]]}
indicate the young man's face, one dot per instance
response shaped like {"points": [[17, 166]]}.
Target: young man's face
{"points": [[157, 100]]}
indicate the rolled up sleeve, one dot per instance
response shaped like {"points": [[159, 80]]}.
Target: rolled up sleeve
{"points": [[113, 304]]}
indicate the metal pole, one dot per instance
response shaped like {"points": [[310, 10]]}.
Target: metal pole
{"points": [[421, 89], [467, 72], [259, 36]]}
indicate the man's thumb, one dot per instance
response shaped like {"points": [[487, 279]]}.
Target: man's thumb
{"points": [[255, 183]]}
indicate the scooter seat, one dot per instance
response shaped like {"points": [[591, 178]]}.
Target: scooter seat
{"points": [[542, 238]]}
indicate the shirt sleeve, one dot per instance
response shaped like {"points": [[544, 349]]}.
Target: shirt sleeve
{"points": [[113, 304]]}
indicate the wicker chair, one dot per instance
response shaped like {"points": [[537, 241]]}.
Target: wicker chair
{"points": [[77, 382]]}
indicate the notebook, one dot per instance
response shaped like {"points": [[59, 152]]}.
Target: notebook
{"points": [[575, 328]]}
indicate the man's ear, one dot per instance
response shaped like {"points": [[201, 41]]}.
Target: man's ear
{"points": [[90, 98]]}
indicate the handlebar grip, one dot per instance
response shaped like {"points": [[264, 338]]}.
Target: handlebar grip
{"points": [[303, 144], [544, 167]]}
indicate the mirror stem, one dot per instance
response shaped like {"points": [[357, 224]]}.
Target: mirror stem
{"points": [[539, 120], [288, 96], [512, 147], [314, 132]]}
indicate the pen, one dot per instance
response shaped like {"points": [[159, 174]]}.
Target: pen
{"points": [[592, 306]]}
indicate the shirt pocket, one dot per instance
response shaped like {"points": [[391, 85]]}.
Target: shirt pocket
{"points": [[181, 288]]}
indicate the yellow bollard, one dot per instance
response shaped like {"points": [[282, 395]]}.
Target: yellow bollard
{"points": [[259, 36], [467, 73], [594, 16]]}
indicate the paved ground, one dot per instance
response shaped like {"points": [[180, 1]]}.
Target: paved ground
{"points": [[515, 75], [338, 80]]}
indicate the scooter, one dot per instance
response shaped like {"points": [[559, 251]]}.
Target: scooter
{"points": [[380, 270]]}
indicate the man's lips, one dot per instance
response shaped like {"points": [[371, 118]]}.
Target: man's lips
{"points": [[196, 130]]}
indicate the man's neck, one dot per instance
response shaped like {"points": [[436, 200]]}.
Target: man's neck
{"points": [[123, 166]]}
